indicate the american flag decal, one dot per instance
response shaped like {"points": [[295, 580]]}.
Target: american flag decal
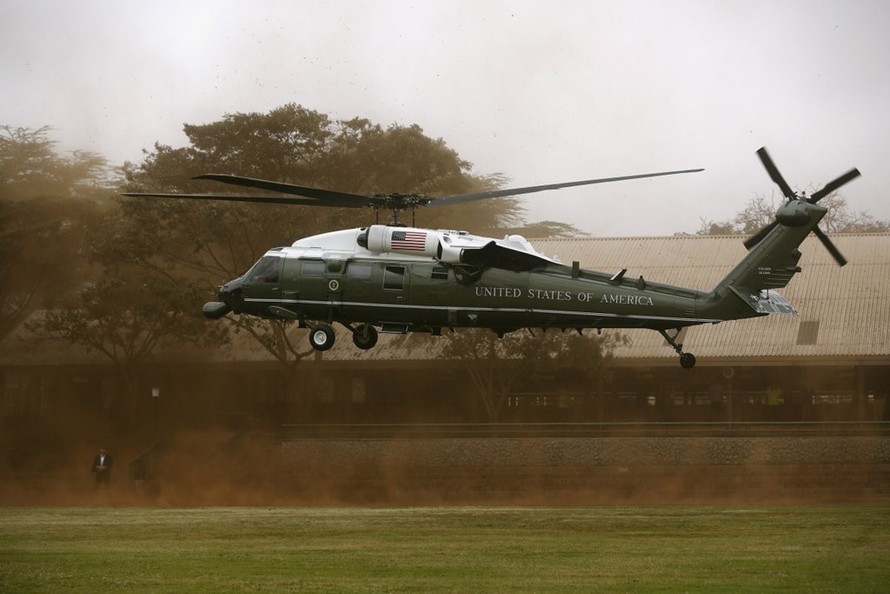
{"points": [[412, 241]]}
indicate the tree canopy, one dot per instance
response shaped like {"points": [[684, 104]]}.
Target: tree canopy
{"points": [[30, 167], [761, 211], [496, 364], [209, 242], [125, 275], [47, 202]]}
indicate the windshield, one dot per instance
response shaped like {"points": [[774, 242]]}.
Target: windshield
{"points": [[266, 270]]}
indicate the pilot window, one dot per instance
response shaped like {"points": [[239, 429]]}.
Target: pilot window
{"points": [[266, 270], [394, 278]]}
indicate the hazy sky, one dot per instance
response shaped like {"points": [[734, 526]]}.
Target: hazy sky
{"points": [[539, 91]]}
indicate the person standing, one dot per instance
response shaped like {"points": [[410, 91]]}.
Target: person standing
{"points": [[101, 468]]}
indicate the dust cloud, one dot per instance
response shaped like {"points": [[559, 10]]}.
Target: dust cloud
{"points": [[426, 455], [258, 468]]}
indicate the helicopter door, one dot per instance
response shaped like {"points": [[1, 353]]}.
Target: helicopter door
{"points": [[262, 283], [395, 282]]}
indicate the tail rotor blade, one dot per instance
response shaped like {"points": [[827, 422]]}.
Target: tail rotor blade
{"points": [[774, 174], [834, 185], [832, 249], [758, 237]]}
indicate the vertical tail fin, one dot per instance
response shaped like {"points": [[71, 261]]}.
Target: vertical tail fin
{"points": [[771, 264], [773, 257]]}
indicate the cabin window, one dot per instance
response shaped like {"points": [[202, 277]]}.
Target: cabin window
{"points": [[267, 270], [313, 268], [359, 270], [394, 278]]}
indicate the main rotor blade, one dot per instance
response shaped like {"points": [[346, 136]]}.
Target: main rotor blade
{"points": [[832, 249], [325, 197], [834, 185], [774, 174], [256, 198], [458, 198], [758, 237]]}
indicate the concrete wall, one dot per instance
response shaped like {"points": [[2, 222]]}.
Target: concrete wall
{"points": [[578, 470]]}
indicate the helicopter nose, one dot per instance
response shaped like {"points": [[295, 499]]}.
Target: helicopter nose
{"points": [[214, 310], [229, 300]]}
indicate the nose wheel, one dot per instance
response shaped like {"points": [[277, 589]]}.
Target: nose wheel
{"points": [[687, 360]]}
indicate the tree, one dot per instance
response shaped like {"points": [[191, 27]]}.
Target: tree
{"points": [[209, 242], [547, 229], [495, 365], [761, 211], [46, 202], [488, 361], [31, 168], [125, 316], [296, 145], [841, 219]]}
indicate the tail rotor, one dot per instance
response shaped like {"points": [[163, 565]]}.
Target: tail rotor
{"points": [[830, 187]]}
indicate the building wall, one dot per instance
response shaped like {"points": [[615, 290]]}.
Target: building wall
{"points": [[579, 470], [235, 395]]}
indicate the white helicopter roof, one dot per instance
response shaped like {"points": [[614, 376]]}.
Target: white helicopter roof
{"points": [[345, 243]]}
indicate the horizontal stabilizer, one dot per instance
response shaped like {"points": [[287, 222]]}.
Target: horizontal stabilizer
{"points": [[765, 302]]}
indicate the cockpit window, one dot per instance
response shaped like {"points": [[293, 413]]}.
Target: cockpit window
{"points": [[266, 271]]}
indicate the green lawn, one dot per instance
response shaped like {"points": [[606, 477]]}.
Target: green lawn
{"points": [[462, 549]]}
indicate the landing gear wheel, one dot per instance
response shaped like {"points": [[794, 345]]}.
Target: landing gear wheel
{"points": [[687, 360], [321, 337], [365, 336]]}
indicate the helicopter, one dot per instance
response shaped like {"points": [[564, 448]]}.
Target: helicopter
{"points": [[394, 278]]}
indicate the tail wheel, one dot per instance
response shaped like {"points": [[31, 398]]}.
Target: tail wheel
{"points": [[321, 337], [365, 336], [687, 360]]}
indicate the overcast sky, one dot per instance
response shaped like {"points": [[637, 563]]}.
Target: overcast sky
{"points": [[539, 91]]}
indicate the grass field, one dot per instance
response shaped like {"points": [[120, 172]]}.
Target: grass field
{"points": [[607, 549]]}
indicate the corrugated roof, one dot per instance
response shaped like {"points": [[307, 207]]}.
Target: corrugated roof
{"points": [[850, 304]]}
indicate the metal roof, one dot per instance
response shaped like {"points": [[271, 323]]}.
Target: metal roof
{"points": [[851, 304]]}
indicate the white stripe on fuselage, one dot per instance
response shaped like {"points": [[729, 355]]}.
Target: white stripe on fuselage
{"points": [[557, 312]]}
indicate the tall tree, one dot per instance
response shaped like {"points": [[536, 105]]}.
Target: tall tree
{"points": [[46, 202], [214, 242], [30, 167], [126, 316]]}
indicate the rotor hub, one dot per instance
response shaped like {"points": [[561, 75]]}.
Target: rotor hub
{"points": [[794, 213]]}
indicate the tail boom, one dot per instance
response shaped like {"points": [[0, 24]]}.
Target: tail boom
{"points": [[747, 291]]}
